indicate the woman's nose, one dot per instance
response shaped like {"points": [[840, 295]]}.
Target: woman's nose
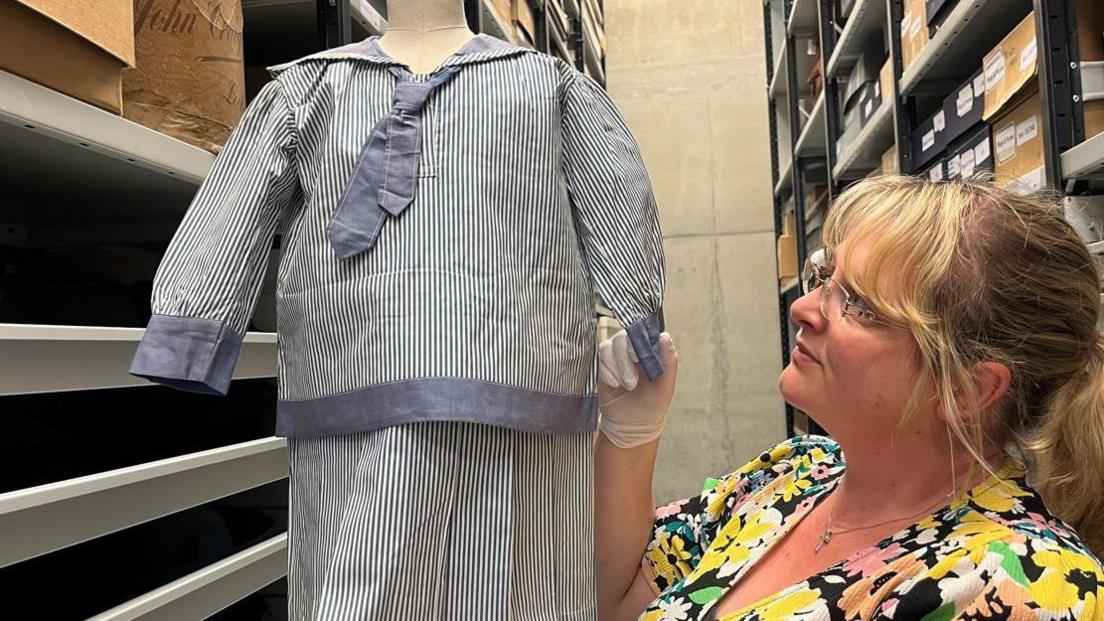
{"points": [[805, 312]]}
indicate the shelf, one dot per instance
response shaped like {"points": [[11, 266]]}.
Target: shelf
{"points": [[87, 358], [368, 17], [865, 153], [295, 20], [803, 17], [788, 286], [201, 594], [72, 153], [42, 519], [778, 83], [1086, 160], [812, 140], [953, 53], [785, 178], [865, 25]]}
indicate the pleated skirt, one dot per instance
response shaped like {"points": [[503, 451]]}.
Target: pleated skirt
{"points": [[441, 521]]}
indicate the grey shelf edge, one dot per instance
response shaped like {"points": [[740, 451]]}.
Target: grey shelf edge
{"points": [[90, 358], [788, 286], [502, 28], [43, 110], [42, 519], [812, 137], [866, 17], [803, 17], [207, 591], [785, 181], [368, 17], [876, 137], [947, 41], [1086, 160], [778, 78]]}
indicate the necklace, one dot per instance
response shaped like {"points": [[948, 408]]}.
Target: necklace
{"points": [[826, 536]]}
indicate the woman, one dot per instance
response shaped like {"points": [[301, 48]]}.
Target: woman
{"points": [[948, 336]]}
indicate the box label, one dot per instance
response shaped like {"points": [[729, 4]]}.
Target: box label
{"points": [[994, 69], [979, 84], [1027, 56], [1027, 130], [939, 121], [952, 167], [963, 106], [1006, 143], [966, 163], [927, 141], [936, 173], [981, 151]]}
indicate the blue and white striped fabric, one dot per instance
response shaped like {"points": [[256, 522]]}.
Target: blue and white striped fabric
{"points": [[475, 304], [442, 521]]}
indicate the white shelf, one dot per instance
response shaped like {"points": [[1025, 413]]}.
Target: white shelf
{"points": [[201, 594], [953, 53], [86, 358], [803, 17], [812, 140], [779, 83], [865, 25], [785, 177], [42, 519], [1086, 160], [64, 152], [368, 17], [864, 154]]}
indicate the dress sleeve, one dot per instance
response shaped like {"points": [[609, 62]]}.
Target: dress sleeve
{"points": [[683, 530], [616, 217], [207, 284]]}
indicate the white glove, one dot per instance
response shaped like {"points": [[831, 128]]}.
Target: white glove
{"points": [[632, 408]]}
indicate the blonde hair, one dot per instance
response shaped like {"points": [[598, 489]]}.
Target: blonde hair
{"points": [[983, 274]]}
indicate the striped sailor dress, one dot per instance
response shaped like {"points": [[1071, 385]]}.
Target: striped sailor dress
{"points": [[443, 238]]}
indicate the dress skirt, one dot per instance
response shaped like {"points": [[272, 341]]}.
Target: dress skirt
{"points": [[441, 521]]}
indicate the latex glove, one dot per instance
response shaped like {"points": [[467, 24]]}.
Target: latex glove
{"points": [[633, 409]]}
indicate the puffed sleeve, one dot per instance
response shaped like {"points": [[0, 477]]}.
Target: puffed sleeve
{"points": [[616, 217], [684, 530], [206, 286]]}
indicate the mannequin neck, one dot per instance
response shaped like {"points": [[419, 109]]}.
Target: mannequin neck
{"points": [[425, 16], [423, 33]]}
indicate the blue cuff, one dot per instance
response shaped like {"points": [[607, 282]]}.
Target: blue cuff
{"points": [[187, 353], [644, 336]]}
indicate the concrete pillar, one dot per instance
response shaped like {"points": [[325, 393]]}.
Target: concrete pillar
{"points": [[689, 76]]}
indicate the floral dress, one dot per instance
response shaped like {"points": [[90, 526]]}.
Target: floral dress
{"points": [[992, 553]]}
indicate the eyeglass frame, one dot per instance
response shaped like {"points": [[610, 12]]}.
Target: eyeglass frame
{"points": [[812, 271]]}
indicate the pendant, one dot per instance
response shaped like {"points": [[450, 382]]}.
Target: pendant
{"points": [[825, 537]]}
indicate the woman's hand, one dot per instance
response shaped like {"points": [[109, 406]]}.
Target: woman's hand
{"points": [[633, 408]]}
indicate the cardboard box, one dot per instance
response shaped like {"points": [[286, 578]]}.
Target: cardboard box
{"points": [[1010, 66], [1090, 30], [914, 34], [928, 139], [863, 72], [523, 18], [1094, 117], [885, 80], [871, 101], [1018, 145], [504, 8], [890, 164], [190, 78], [971, 154], [787, 257], [77, 51]]}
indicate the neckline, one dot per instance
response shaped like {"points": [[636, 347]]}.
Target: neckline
{"points": [[481, 42], [1009, 469]]}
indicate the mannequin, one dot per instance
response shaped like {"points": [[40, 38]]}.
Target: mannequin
{"points": [[451, 203], [422, 34]]}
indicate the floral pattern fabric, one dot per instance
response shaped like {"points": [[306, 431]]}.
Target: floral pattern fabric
{"points": [[995, 552]]}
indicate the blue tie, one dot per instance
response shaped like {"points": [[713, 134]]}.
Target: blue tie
{"points": [[387, 172]]}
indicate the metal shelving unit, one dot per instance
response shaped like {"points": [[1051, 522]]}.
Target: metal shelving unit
{"points": [[805, 151]]}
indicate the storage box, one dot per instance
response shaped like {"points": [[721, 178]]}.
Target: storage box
{"points": [[914, 34], [1094, 117], [971, 154], [852, 113], [190, 78], [962, 109], [1090, 30], [64, 45], [787, 248], [1018, 145], [525, 21], [890, 161], [928, 139], [1010, 66], [864, 71], [871, 101]]}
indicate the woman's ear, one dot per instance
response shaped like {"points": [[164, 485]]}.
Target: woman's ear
{"points": [[991, 380]]}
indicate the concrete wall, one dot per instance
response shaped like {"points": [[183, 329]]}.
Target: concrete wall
{"points": [[689, 76]]}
